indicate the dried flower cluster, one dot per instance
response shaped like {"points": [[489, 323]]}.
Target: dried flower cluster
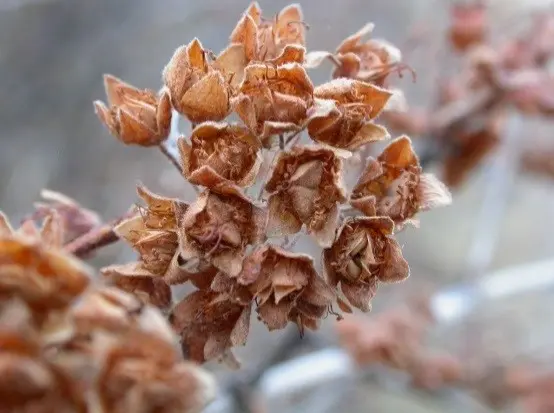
{"points": [[395, 339], [226, 241], [473, 104], [70, 344]]}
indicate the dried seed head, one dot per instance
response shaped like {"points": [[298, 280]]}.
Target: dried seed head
{"points": [[210, 323], [274, 99], [265, 39], [220, 151], [351, 124], [468, 26], [305, 188], [134, 116], [392, 185], [218, 227], [286, 287], [364, 253], [197, 90]]}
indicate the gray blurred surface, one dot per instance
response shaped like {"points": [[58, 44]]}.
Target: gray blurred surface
{"points": [[53, 55]]}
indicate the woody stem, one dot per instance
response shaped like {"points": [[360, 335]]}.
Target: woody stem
{"points": [[172, 159], [96, 238]]}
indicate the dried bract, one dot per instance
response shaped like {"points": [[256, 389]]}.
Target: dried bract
{"points": [[351, 124], [393, 185], [364, 254], [305, 188], [286, 287], [134, 116], [221, 151], [265, 39], [219, 225], [197, 90]]}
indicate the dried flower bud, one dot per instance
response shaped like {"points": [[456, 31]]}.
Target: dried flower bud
{"points": [[392, 185], [350, 125], [210, 323], [43, 277], [539, 161], [218, 227], [286, 287], [265, 39], [274, 100], [197, 90], [305, 187], [134, 116], [221, 151], [468, 25], [364, 253]]}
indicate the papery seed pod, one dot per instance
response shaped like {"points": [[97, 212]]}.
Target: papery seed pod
{"points": [[286, 287], [305, 189], [364, 254], [134, 116], [393, 185]]}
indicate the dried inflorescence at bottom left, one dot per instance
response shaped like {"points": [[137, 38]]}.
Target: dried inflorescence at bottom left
{"points": [[69, 345]]}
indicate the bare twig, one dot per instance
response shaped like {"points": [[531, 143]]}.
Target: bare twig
{"points": [[172, 159], [96, 238]]}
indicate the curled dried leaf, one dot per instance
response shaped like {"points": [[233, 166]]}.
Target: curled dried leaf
{"points": [[364, 254], [392, 185], [220, 151], [305, 188], [134, 116]]}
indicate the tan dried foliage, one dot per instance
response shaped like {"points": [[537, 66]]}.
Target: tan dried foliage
{"points": [[393, 185], [134, 116]]}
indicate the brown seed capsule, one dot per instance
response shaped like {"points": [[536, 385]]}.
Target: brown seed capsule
{"points": [[219, 225], [364, 254], [351, 124], [265, 39], [197, 90], [221, 150], [134, 116], [306, 188], [286, 287], [393, 185]]}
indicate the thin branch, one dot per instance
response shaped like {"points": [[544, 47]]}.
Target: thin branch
{"points": [[172, 159], [96, 238]]}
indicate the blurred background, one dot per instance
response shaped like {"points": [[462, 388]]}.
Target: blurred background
{"points": [[53, 54]]}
